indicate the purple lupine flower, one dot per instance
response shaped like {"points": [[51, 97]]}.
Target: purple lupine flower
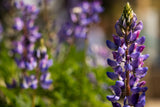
{"points": [[128, 61], [26, 82], [45, 64], [82, 16], [29, 82], [24, 48], [18, 24], [28, 57], [45, 80]]}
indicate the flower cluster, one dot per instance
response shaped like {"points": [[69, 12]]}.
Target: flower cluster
{"points": [[27, 56], [82, 16], [25, 47], [128, 61]]}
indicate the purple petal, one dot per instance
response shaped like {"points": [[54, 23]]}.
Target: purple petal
{"points": [[132, 81], [34, 82], [139, 26], [74, 17], [18, 24], [129, 36], [121, 51], [117, 40], [112, 63], [45, 81], [133, 99], [136, 89], [144, 89], [134, 21], [111, 45], [117, 90], [135, 35], [125, 100], [86, 21], [44, 76], [95, 18], [97, 7], [86, 6], [118, 29], [112, 75], [141, 40], [141, 72], [119, 83], [140, 48], [144, 57], [46, 84], [113, 98], [132, 48], [123, 42], [135, 55], [124, 23], [128, 67], [118, 69], [141, 102], [115, 55], [80, 32], [142, 83], [135, 63], [50, 62], [26, 82]]}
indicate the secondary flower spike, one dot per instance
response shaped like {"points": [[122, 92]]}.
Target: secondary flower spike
{"points": [[30, 52], [127, 61]]}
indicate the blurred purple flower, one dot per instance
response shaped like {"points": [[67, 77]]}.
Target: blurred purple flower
{"points": [[82, 16], [27, 56], [45, 64], [92, 78], [18, 24], [45, 81], [29, 82]]}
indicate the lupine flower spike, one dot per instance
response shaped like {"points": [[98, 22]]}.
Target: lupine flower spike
{"points": [[128, 61], [27, 56]]}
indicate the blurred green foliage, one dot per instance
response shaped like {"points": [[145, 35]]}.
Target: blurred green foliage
{"points": [[71, 86]]}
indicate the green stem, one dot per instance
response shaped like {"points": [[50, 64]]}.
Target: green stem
{"points": [[33, 100]]}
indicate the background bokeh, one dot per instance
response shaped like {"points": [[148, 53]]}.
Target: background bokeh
{"points": [[79, 65]]}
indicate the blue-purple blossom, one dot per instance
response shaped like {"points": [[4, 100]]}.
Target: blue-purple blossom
{"points": [[44, 64], [18, 24], [128, 61], [29, 82]]}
